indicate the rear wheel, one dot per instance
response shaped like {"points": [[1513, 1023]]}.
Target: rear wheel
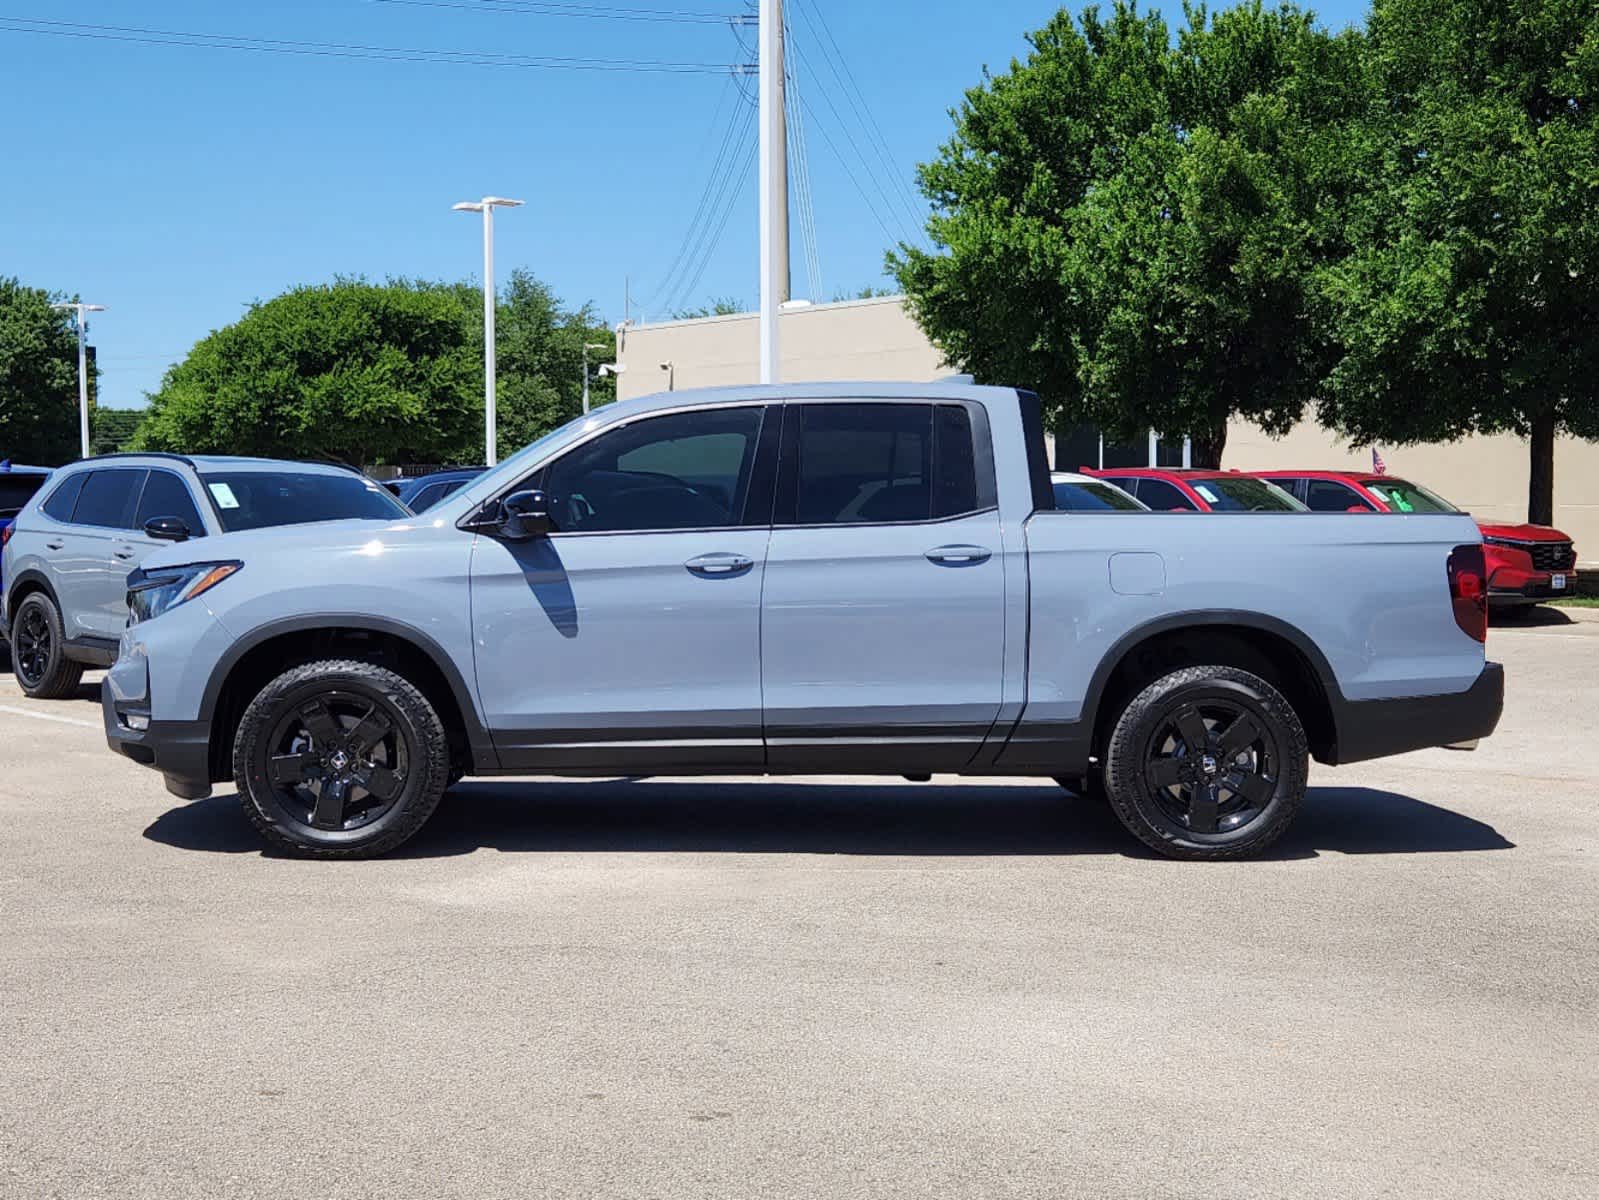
{"points": [[340, 759], [39, 651], [1207, 762]]}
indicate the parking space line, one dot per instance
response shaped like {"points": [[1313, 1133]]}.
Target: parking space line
{"points": [[39, 716]]}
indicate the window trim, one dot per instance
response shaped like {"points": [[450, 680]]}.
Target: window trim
{"points": [[765, 436]]}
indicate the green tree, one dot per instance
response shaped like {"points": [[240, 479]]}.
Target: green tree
{"points": [[1127, 223], [113, 429], [540, 364], [1469, 299], [38, 377], [722, 306], [351, 371]]}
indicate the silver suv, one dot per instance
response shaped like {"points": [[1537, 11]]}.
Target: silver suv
{"points": [[73, 545]]}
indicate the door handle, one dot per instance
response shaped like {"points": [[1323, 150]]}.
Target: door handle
{"points": [[716, 566], [55, 545], [124, 552], [959, 556]]}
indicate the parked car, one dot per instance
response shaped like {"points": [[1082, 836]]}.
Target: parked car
{"points": [[1199, 491], [868, 578], [1084, 493], [1526, 563], [17, 486], [422, 492], [67, 557]]}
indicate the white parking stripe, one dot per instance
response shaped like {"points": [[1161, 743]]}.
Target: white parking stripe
{"points": [[39, 716]]}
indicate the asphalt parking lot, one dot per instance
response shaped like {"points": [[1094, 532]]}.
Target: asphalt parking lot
{"points": [[829, 988]]}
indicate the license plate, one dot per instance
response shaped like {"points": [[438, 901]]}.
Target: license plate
{"points": [[1558, 582]]}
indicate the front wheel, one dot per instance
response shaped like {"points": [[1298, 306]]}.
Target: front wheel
{"points": [[340, 759], [1207, 762]]}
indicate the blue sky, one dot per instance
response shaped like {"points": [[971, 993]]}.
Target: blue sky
{"points": [[177, 183]]}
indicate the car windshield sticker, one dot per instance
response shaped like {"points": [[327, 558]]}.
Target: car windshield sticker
{"points": [[224, 495], [1210, 496]]}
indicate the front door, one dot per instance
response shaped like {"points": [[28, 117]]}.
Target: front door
{"points": [[629, 639], [883, 624]]}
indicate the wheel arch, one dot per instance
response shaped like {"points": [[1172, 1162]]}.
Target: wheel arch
{"points": [[271, 649], [28, 581], [1279, 652]]}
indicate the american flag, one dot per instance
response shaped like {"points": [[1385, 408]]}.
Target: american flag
{"points": [[1378, 467]]}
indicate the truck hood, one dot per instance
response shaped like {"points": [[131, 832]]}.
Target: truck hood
{"points": [[1522, 533], [299, 542]]}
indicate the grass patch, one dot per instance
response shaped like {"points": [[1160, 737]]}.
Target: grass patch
{"points": [[1577, 602]]}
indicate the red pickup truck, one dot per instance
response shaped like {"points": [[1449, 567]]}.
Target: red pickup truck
{"points": [[1526, 563]]}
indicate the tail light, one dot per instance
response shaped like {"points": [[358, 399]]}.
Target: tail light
{"points": [[1468, 590], [5, 535]]}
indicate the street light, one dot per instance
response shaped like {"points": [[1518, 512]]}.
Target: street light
{"points": [[670, 368], [79, 309], [587, 346], [486, 206]]}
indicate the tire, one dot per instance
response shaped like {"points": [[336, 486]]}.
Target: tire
{"points": [[1207, 763], [39, 651], [340, 759]]}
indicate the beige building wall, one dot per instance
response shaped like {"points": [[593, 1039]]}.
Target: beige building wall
{"points": [[876, 339]]}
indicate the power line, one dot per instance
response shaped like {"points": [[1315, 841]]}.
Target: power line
{"points": [[833, 55], [802, 179], [849, 170], [707, 241], [710, 182], [598, 12], [473, 58]]}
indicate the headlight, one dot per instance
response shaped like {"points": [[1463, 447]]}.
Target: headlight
{"points": [[1505, 542], [153, 592]]}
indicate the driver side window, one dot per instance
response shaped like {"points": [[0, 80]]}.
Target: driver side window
{"points": [[682, 471]]}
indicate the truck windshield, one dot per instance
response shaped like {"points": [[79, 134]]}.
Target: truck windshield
{"points": [[1076, 496], [258, 499], [1244, 494], [1402, 496]]}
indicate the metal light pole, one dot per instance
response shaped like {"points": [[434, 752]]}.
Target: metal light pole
{"points": [[79, 309], [486, 206], [587, 346], [774, 185]]}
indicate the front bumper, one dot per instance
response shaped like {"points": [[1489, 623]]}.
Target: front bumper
{"points": [[180, 750], [1507, 588], [1377, 728]]}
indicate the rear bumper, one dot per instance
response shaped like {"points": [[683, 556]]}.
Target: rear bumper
{"points": [[1377, 728], [180, 750]]}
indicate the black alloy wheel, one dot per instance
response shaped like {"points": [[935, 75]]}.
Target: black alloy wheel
{"points": [[1207, 762], [1212, 766], [31, 646], [340, 759]]}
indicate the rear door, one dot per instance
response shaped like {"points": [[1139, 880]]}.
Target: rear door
{"points": [[883, 617], [92, 556]]}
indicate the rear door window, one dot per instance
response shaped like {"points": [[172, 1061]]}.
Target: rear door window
{"points": [[864, 464], [1164, 497], [1328, 495], [59, 504], [108, 498], [166, 495]]}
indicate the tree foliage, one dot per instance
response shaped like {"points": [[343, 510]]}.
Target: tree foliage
{"points": [[366, 373], [38, 377], [1468, 300], [113, 429], [722, 306], [1128, 223]]}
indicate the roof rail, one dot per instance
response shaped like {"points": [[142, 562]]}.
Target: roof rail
{"points": [[182, 458]]}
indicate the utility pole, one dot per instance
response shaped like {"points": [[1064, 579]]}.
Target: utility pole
{"points": [[774, 185], [79, 309], [486, 206]]}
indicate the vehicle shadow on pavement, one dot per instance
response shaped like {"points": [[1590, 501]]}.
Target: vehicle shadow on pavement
{"points": [[815, 818], [1530, 616], [86, 691]]}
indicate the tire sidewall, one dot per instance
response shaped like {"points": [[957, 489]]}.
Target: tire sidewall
{"points": [[1133, 797], [425, 775], [53, 668]]}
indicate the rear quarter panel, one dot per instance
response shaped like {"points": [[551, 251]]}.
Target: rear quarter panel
{"points": [[1371, 595]]}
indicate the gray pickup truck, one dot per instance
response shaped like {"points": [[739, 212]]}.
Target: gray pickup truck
{"points": [[839, 579]]}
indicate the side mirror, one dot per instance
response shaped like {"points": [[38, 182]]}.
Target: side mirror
{"points": [[167, 529], [525, 515]]}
